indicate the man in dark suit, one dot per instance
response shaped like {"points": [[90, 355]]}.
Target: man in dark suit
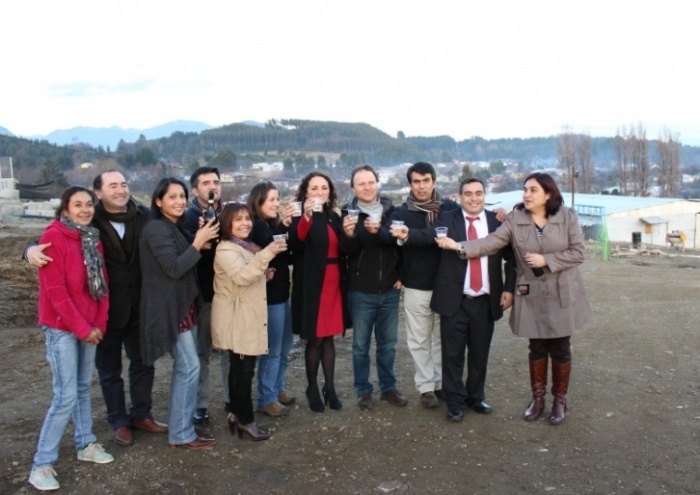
{"points": [[470, 296]]}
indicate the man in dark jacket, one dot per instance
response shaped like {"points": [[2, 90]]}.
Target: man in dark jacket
{"points": [[120, 220], [203, 181], [470, 296], [421, 258], [373, 288]]}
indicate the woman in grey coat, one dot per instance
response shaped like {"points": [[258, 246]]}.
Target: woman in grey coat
{"points": [[550, 299]]}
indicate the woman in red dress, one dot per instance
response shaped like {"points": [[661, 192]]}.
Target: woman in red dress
{"points": [[318, 295]]}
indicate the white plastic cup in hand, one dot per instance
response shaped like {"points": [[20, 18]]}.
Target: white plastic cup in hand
{"points": [[280, 237], [318, 204], [297, 208], [375, 219], [396, 226], [354, 214], [441, 232]]}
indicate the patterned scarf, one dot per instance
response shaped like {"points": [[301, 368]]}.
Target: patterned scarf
{"points": [[247, 245], [89, 237], [431, 207]]}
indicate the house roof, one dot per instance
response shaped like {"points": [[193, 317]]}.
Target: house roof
{"points": [[611, 203]]}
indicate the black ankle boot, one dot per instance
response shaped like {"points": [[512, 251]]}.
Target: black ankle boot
{"points": [[315, 403]]}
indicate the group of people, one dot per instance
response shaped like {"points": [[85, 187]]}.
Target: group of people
{"points": [[187, 278]]}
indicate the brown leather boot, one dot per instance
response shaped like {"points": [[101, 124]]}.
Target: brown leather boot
{"points": [[560, 385], [538, 383]]}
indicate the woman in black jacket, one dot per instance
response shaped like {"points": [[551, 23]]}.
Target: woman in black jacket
{"points": [[318, 302]]}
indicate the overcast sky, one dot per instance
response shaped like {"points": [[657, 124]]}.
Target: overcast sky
{"points": [[509, 68]]}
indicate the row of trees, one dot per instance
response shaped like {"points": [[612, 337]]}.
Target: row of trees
{"points": [[632, 161]]}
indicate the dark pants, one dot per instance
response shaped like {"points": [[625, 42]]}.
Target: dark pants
{"points": [[470, 329], [558, 349], [108, 361], [240, 386]]}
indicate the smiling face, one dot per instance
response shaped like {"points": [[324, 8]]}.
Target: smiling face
{"points": [[365, 186], [241, 225], [114, 193], [472, 198], [80, 208], [318, 188], [534, 197], [422, 186], [173, 203], [271, 205]]}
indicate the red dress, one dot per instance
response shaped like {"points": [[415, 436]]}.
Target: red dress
{"points": [[330, 311]]}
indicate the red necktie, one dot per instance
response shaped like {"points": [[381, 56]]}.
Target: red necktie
{"points": [[475, 281]]}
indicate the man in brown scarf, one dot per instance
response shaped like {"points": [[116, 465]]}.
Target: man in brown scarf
{"points": [[421, 258]]}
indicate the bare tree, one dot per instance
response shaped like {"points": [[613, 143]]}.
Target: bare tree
{"points": [[585, 163], [619, 144], [669, 150], [566, 158], [640, 159]]}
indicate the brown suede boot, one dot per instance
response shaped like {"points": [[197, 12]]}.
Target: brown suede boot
{"points": [[560, 385], [538, 383]]}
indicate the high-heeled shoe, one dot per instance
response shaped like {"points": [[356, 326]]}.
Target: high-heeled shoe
{"points": [[254, 432], [330, 396], [315, 403], [231, 419]]}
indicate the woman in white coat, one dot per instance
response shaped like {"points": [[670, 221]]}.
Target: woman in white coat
{"points": [[239, 310]]}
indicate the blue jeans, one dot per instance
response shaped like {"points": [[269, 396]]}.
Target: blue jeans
{"points": [[183, 389], [72, 362], [378, 312], [272, 367]]}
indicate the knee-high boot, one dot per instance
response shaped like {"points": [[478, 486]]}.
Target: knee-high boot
{"points": [[560, 385], [538, 383]]}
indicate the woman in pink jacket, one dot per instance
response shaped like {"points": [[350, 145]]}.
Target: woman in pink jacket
{"points": [[73, 305]]}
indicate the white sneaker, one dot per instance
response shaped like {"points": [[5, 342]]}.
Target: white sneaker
{"points": [[95, 453], [44, 478]]}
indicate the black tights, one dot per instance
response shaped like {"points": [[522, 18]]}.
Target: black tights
{"points": [[558, 349], [321, 350]]}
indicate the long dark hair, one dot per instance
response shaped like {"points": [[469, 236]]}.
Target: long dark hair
{"points": [[257, 197], [160, 191], [550, 187], [67, 194], [304, 188], [226, 218]]}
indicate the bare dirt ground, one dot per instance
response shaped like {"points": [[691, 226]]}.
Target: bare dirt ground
{"points": [[633, 425]]}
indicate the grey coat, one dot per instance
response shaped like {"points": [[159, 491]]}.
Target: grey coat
{"points": [[555, 304]]}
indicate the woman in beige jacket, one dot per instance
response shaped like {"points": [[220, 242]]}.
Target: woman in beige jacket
{"points": [[239, 310], [550, 299]]}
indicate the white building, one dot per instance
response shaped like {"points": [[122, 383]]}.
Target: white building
{"points": [[653, 218]]}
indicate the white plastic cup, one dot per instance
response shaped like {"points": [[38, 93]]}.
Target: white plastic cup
{"points": [[354, 214], [280, 237], [441, 232], [396, 226], [297, 208], [318, 204], [375, 219]]}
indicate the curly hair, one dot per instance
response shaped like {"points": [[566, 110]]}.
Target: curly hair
{"points": [[304, 188]]}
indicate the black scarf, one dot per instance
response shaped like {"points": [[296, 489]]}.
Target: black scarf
{"points": [[123, 249], [89, 237]]}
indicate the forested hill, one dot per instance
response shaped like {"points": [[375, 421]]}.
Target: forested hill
{"points": [[358, 142]]}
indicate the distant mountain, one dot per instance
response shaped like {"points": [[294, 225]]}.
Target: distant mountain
{"points": [[109, 137], [5, 132]]}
